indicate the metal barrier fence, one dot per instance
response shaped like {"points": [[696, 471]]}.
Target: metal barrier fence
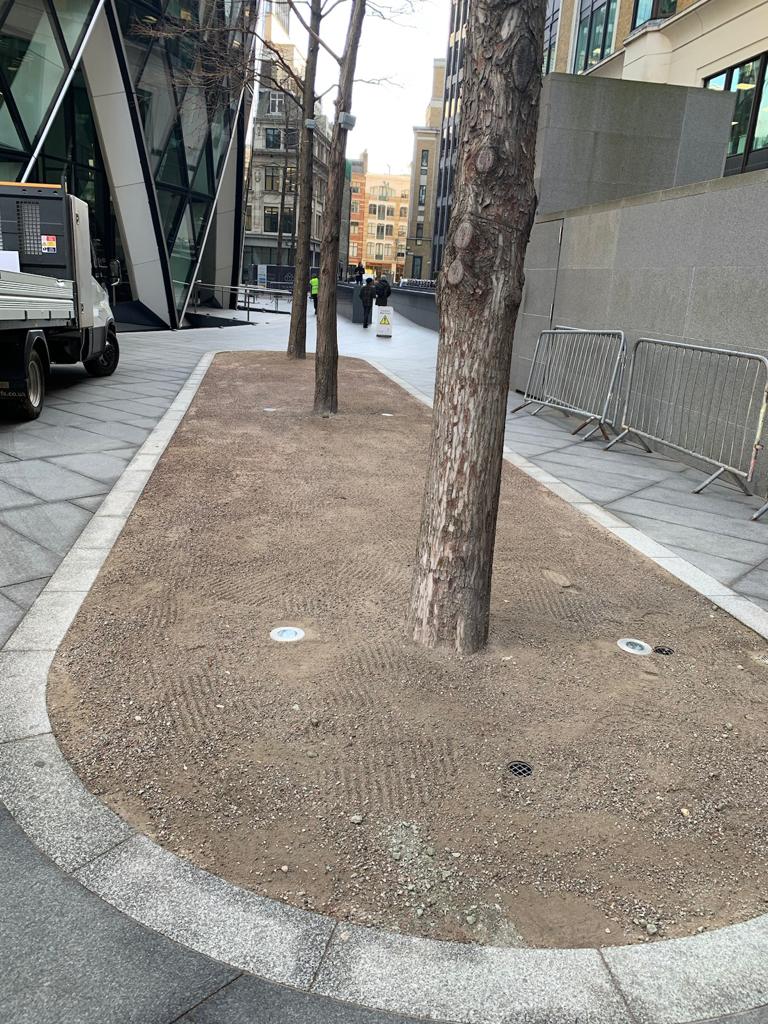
{"points": [[709, 403], [577, 371], [249, 298]]}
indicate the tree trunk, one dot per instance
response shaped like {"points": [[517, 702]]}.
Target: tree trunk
{"points": [[479, 294], [297, 338], [327, 357]]}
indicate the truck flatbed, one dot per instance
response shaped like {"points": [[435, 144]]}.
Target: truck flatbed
{"points": [[33, 298]]}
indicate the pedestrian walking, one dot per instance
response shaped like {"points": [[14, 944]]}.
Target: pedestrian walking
{"points": [[359, 272], [367, 295], [383, 291], [314, 288]]}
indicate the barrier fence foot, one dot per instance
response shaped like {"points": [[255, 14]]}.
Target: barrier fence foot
{"points": [[518, 408], [760, 511], [710, 480], [619, 437]]}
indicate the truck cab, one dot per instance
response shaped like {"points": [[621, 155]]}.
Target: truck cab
{"points": [[52, 307]]}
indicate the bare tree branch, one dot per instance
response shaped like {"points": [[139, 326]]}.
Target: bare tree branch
{"points": [[316, 35]]}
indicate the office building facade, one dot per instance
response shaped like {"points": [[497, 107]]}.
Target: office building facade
{"points": [[426, 149], [140, 106]]}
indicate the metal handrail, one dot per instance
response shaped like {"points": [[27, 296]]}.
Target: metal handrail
{"points": [[246, 290]]}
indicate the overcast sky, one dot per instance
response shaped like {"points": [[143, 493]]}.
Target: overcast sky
{"points": [[401, 50]]}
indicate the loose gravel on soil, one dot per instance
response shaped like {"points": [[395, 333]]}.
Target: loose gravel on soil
{"points": [[358, 774]]}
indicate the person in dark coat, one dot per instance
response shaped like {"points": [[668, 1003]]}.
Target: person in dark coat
{"points": [[359, 271], [383, 291], [367, 295]]}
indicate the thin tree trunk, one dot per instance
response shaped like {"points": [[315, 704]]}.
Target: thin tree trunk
{"points": [[479, 293], [297, 338], [327, 357]]}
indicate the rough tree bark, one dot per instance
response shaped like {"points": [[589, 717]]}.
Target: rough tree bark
{"points": [[479, 294], [297, 337], [327, 357]]}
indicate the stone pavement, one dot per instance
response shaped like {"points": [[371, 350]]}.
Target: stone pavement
{"points": [[68, 957]]}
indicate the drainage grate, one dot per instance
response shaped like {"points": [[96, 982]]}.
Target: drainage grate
{"points": [[666, 651], [520, 769]]}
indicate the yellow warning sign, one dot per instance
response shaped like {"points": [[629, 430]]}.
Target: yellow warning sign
{"points": [[384, 321]]}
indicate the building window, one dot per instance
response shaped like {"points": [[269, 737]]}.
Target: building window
{"points": [[288, 221], [371, 209], [291, 138], [355, 190], [354, 226], [388, 250], [422, 195], [382, 212], [276, 103], [390, 211], [401, 231], [652, 10], [594, 39], [425, 158], [272, 138], [417, 262], [353, 251], [271, 179], [271, 219], [379, 230], [419, 230], [290, 179], [748, 144], [371, 230], [355, 207], [551, 24], [379, 251], [403, 211], [390, 230], [369, 249]]}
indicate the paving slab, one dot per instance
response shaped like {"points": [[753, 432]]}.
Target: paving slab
{"points": [[90, 504], [10, 616], [404, 974], [23, 677], [22, 559], [166, 893], [253, 1001], [47, 481], [13, 497], [68, 958], [679, 535], [97, 465], [694, 979], [55, 525], [50, 440], [24, 594], [45, 623], [698, 518], [52, 806]]}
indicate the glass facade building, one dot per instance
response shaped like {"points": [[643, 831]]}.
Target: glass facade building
{"points": [[139, 106]]}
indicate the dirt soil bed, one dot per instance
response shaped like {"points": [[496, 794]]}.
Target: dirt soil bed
{"points": [[360, 775]]}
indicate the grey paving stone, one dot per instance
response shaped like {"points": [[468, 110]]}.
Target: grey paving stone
{"points": [[24, 594], [724, 569], [119, 432], [90, 504], [45, 624], [23, 676], [55, 525], [754, 584], [52, 806], [736, 526], [50, 440], [97, 465], [253, 1001], [676, 535], [10, 616], [696, 979], [48, 482], [12, 497], [22, 559], [403, 974], [259, 935], [68, 958]]}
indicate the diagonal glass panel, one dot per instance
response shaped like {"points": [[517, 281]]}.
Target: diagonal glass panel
{"points": [[200, 213], [9, 137], [156, 105], [10, 169], [72, 16], [31, 60], [172, 169], [170, 204], [183, 258], [194, 125]]}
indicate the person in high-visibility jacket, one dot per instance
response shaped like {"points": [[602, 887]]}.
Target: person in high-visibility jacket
{"points": [[314, 288]]}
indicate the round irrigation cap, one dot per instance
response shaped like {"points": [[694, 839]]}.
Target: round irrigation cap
{"points": [[287, 634], [634, 646]]}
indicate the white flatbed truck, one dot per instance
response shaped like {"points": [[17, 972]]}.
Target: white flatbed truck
{"points": [[52, 309]]}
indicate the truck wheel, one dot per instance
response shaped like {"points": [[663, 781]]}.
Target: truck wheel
{"points": [[105, 363], [32, 405]]}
